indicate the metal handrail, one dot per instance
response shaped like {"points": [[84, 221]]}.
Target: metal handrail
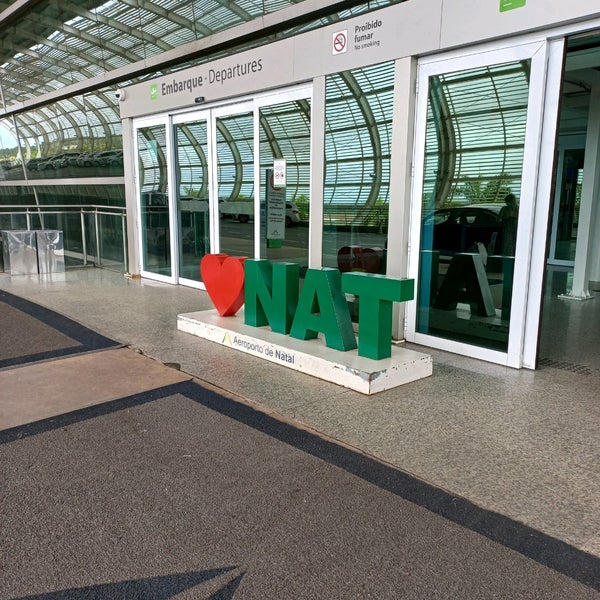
{"points": [[64, 209]]}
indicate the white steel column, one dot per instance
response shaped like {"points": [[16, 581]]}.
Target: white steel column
{"points": [[401, 179], [542, 203], [589, 200], [131, 199], [317, 174]]}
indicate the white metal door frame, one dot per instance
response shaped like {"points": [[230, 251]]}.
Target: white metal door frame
{"points": [[198, 115], [537, 52], [161, 120], [210, 115]]}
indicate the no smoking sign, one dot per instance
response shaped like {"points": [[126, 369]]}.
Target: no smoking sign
{"points": [[339, 42]]}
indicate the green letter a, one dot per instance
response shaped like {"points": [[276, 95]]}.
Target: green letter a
{"points": [[322, 308]]}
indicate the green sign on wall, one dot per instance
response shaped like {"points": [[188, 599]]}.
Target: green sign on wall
{"points": [[511, 4]]}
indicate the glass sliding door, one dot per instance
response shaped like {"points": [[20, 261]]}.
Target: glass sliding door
{"points": [[469, 196], [358, 134], [233, 188], [192, 195], [284, 132], [196, 179], [153, 190]]}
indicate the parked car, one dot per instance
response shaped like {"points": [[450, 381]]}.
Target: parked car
{"points": [[108, 158], [72, 160], [86, 159], [45, 163], [460, 228], [33, 163], [62, 160], [292, 214]]}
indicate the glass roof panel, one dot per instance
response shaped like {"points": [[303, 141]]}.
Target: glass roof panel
{"points": [[52, 44]]}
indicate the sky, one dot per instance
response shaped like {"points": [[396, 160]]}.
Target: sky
{"points": [[7, 139]]}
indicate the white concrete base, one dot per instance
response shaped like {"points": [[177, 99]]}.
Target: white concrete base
{"points": [[582, 298], [312, 356]]}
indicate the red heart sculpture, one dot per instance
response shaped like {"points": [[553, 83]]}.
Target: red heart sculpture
{"points": [[223, 276]]}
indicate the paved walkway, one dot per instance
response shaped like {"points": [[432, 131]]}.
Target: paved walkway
{"points": [[518, 443]]}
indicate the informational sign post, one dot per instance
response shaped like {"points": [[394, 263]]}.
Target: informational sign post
{"points": [[275, 211], [279, 170]]}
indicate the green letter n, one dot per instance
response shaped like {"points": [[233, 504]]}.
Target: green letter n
{"points": [[271, 294]]}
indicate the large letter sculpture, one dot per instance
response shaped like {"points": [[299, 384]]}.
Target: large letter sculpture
{"points": [[322, 308], [271, 293], [376, 295]]}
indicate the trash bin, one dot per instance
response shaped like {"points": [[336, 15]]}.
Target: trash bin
{"points": [[50, 251], [20, 252]]}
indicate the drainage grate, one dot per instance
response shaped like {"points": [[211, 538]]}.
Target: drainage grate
{"points": [[567, 366]]}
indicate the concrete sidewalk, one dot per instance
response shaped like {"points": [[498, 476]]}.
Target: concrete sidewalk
{"points": [[524, 444], [182, 493]]}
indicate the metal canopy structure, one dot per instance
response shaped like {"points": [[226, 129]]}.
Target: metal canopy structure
{"points": [[61, 61]]}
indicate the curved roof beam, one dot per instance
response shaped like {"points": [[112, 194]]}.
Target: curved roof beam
{"points": [[373, 131], [446, 138], [237, 157], [161, 159], [11, 75], [36, 69], [235, 9], [127, 54], [98, 17], [197, 146], [45, 58], [171, 16], [275, 147], [35, 130], [82, 107], [42, 136]]}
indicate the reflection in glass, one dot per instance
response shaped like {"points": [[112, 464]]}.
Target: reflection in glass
{"points": [[192, 197], [357, 154], [569, 201], [359, 107], [285, 134], [76, 137], [154, 200], [475, 137], [235, 181]]}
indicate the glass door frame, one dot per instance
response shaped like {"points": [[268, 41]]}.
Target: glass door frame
{"points": [[210, 114], [203, 114], [487, 55], [143, 123]]}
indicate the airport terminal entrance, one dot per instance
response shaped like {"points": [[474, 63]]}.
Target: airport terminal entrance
{"points": [[203, 181], [476, 147]]}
